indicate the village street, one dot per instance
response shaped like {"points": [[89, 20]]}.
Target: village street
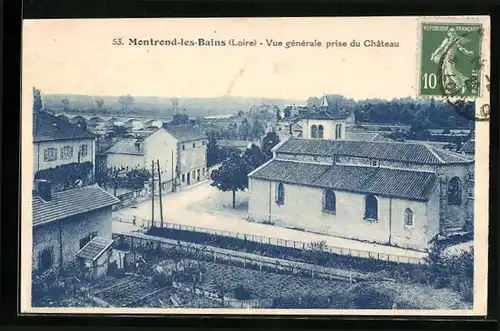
{"points": [[204, 206]]}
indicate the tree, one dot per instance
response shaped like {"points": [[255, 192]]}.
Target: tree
{"points": [[37, 100], [278, 114], [240, 113], [254, 157], [126, 101], [258, 129], [270, 140], [244, 130], [99, 102], [65, 103], [213, 151], [180, 119], [232, 175]]}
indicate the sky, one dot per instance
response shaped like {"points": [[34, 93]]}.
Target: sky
{"points": [[78, 57]]}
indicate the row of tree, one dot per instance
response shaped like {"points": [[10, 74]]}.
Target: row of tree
{"points": [[421, 114]]}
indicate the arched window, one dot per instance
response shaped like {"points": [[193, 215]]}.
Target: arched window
{"points": [[454, 192], [320, 131], [371, 207], [337, 131], [408, 217], [280, 194], [329, 202], [314, 131]]}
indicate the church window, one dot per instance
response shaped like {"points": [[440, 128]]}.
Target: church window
{"points": [[314, 131], [320, 131], [371, 207], [338, 131], [454, 192], [329, 203], [408, 217], [280, 194]]}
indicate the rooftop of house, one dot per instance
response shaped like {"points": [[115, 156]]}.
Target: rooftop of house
{"points": [[389, 182], [131, 146], [185, 132], [70, 203], [469, 147], [95, 248], [47, 127], [390, 151]]}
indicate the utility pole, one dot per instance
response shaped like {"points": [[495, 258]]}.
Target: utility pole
{"points": [[159, 186], [152, 193], [173, 179]]}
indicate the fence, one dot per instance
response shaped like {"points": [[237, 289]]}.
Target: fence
{"points": [[241, 259], [298, 244]]}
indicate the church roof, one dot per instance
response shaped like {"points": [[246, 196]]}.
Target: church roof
{"points": [[398, 183], [391, 151], [322, 115]]}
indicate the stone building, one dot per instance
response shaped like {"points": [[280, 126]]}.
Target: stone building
{"points": [[66, 222], [401, 194]]}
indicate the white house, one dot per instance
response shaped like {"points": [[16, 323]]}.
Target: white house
{"points": [[59, 143], [181, 152]]}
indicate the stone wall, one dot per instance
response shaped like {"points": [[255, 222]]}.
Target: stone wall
{"points": [[69, 231]]}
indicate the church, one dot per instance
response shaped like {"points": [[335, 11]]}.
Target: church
{"points": [[393, 193]]}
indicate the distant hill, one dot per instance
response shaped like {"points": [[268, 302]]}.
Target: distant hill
{"points": [[161, 106]]}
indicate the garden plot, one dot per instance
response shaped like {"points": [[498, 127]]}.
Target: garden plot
{"points": [[263, 285]]}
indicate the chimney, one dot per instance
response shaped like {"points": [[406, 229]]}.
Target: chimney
{"points": [[43, 189]]}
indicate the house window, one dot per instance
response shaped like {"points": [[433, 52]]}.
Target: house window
{"points": [[280, 194], [85, 240], [320, 131], [314, 131], [329, 202], [194, 145], [183, 147], [338, 131], [374, 163], [50, 154], [46, 259], [204, 171], [66, 152], [335, 159], [454, 192], [183, 178], [371, 207], [83, 150], [198, 174], [408, 217]]}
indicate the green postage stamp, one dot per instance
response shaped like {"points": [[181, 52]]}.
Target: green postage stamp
{"points": [[450, 59]]}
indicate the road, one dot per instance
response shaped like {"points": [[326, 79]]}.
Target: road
{"points": [[178, 209]]}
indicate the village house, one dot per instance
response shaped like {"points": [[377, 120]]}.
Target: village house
{"points": [[181, 152], [469, 147], [191, 153], [59, 147], [401, 194], [134, 124], [72, 225]]}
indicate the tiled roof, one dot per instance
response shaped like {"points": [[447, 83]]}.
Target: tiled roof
{"points": [[70, 203], [95, 248], [184, 132], [127, 146], [469, 146], [452, 157], [321, 115], [405, 184], [47, 127], [360, 136], [392, 151]]}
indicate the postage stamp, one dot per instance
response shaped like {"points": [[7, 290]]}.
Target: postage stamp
{"points": [[241, 166], [450, 59]]}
